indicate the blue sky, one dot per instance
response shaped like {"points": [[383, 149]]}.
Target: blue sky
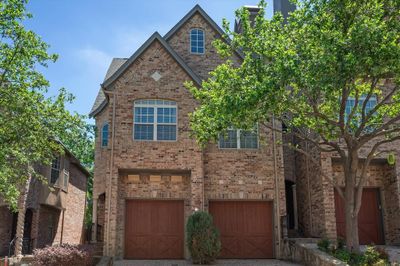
{"points": [[87, 34]]}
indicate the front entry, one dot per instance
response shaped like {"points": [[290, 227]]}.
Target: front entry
{"points": [[245, 228], [154, 229], [369, 218]]}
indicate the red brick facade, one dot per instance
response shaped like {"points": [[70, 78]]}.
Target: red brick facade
{"points": [[53, 216], [129, 169], [181, 170]]}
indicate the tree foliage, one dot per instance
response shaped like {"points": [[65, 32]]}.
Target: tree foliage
{"points": [[30, 122], [305, 72]]}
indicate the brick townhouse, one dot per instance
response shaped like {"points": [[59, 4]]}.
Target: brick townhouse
{"points": [[150, 174], [54, 211]]}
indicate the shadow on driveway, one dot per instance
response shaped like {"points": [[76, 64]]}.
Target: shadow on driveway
{"points": [[218, 262]]}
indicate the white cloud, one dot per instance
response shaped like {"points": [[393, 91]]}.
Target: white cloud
{"points": [[95, 59]]}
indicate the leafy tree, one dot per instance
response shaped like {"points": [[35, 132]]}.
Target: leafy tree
{"points": [[305, 73], [29, 121]]}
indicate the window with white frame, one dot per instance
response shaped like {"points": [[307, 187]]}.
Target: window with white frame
{"points": [[197, 41], [239, 139], [65, 175], [55, 170], [155, 120]]}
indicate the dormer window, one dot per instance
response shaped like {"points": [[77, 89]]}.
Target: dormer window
{"points": [[197, 41]]}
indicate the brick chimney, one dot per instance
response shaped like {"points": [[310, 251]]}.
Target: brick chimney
{"points": [[283, 6], [253, 13]]}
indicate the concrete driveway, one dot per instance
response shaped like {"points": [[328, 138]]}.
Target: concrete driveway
{"points": [[187, 263]]}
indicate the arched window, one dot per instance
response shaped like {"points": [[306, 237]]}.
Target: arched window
{"points": [[104, 135], [155, 120], [197, 41]]}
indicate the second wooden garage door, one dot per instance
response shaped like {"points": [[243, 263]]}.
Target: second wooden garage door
{"points": [[369, 218], [154, 229], [245, 228]]}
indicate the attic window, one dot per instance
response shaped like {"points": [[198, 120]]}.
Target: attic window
{"points": [[197, 41]]}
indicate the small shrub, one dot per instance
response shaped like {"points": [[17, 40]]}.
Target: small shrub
{"points": [[324, 244], [340, 243], [202, 238], [63, 255], [375, 256]]}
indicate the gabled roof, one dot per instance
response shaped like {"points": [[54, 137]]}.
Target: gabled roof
{"points": [[196, 8], [100, 101], [155, 36]]}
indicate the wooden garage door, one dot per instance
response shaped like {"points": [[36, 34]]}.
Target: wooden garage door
{"points": [[245, 228], [154, 229], [369, 217]]}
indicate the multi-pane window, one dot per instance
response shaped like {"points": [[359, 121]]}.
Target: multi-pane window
{"points": [[350, 103], [104, 135], [55, 170], [197, 41], [65, 175], [155, 120], [239, 139]]}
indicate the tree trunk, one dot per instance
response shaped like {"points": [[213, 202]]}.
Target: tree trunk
{"points": [[351, 213]]}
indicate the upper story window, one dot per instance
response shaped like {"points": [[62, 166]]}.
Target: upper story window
{"points": [[65, 180], [351, 101], [197, 41], [55, 170], [239, 139], [104, 135], [155, 120]]}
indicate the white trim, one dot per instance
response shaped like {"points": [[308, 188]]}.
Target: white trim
{"points": [[238, 146], [155, 123], [190, 41]]}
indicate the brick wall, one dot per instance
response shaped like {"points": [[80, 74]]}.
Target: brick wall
{"points": [[75, 207], [49, 231], [318, 219], [201, 64], [6, 220], [246, 174]]}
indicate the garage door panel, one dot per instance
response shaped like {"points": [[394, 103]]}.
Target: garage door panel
{"points": [[262, 222], [369, 217], [154, 229], [141, 226], [223, 214], [230, 247], [139, 245], [245, 228]]}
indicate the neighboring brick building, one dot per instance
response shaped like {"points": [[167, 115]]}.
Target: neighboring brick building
{"points": [[150, 174], [54, 212], [321, 210]]}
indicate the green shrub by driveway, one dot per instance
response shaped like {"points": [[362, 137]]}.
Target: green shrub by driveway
{"points": [[202, 238]]}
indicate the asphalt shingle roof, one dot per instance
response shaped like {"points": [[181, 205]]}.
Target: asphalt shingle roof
{"points": [[116, 63]]}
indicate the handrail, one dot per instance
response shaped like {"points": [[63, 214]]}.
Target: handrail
{"points": [[12, 243]]}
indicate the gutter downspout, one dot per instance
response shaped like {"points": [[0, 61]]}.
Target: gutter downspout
{"points": [[309, 192], [277, 199], [111, 173]]}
